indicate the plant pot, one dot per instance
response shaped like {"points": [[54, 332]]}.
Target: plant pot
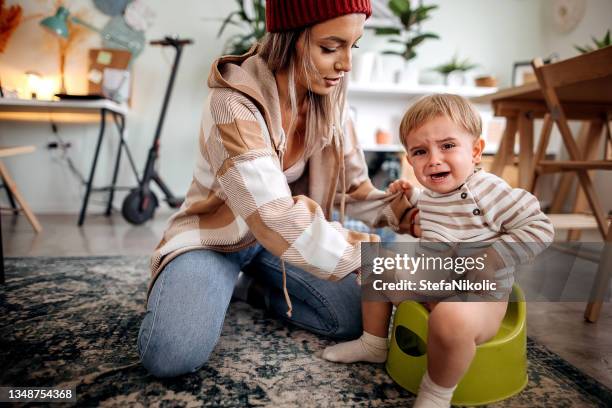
{"points": [[408, 75], [455, 79]]}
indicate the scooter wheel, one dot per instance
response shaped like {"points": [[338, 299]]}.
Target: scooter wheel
{"points": [[137, 208]]}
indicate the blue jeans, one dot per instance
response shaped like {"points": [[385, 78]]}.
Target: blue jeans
{"points": [[188, 302]]}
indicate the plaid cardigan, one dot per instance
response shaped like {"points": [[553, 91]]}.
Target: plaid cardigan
{"points": [[239, 194]]}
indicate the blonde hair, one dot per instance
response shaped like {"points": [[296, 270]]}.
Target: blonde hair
{"points": [[455, 107], [279, 50]]}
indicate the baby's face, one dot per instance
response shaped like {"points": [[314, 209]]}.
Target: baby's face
{"points": [[442, 154]]}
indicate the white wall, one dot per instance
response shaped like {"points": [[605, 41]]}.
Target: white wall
{"points": [[492, 33], [47, 185]]}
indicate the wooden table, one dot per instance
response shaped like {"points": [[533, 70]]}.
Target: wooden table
{"points": [[521, 105]]}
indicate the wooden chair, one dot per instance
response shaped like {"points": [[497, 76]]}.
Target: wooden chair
{"points": [[14, 195], [564, 85]]}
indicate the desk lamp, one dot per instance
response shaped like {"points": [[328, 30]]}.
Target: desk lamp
{"points": [[58, 26]]}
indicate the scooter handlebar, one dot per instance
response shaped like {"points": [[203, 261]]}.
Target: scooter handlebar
{"points": [[173, 41]]}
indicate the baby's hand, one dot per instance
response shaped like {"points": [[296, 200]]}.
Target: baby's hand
{"points": [[400, 185]]}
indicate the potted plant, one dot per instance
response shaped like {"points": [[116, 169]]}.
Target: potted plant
{"points": [[251, 19], [454, 66], [408, 35], [603, 43]]}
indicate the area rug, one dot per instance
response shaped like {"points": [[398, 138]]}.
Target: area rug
{"points": [[74, 321]]}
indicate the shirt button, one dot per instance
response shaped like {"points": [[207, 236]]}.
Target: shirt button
{"points": [[463, 195], [476, 211]]}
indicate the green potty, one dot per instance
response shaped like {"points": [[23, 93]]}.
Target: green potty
{"points": [[498, 371]]}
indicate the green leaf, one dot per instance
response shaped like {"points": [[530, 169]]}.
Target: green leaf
{"points": [[409, 54], [387, 31], [228, 20], [399, 7], [422, 37], [389, 52]]}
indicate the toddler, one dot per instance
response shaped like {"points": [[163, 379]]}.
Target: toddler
{"points": [[459, 203]]}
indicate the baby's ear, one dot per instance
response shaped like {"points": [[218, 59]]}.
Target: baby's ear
{"points": [[477, 150]]}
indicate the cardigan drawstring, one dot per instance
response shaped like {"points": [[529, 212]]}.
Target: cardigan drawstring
{"points": [[340, 158], [285, 291]]}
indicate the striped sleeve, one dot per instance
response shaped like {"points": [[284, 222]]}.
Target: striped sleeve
{"points": [[515, 213], [250, 175], [365, 202]]}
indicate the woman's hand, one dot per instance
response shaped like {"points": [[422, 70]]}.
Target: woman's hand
{"points": [[416, 228]]}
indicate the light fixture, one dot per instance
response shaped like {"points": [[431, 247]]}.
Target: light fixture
{"points": [[57, 25], [33, 80]]}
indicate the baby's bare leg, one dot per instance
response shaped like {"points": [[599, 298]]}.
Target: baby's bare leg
{"points": [[375, 317], [455, 329], [372, 345]]}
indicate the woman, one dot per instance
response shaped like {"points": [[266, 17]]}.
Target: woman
{"points": [[276, 154]]}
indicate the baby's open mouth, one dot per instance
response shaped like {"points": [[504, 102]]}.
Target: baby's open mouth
{"points": [[439, 176]]}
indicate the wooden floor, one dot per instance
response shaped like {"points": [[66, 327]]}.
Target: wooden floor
{"points": [[559, 326]]}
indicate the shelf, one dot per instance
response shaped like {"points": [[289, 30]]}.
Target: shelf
{"points": [[386, 89]]}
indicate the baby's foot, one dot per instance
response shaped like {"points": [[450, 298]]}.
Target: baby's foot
{"points": [[368, 348]]}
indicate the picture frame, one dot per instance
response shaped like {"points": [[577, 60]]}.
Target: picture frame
{"points": [[382, 16], [522, 71]]}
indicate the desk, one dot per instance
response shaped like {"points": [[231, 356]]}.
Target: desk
{"points": [[102, 107]]}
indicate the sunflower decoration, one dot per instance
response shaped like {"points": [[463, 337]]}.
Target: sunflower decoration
{"points": [[10, 17]]}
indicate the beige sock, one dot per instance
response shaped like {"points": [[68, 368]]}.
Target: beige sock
{"points": [[432, 395], [368, 347]]}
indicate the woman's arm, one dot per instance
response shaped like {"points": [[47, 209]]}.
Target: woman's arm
{"points": [[251, 179]]}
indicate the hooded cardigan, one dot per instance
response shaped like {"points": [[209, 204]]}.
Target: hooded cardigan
{"points": [[239, 194]]}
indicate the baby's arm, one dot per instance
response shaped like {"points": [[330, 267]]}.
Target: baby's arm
{"points": [[524, 229]]}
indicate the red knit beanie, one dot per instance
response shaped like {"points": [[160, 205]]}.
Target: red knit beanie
{"points": [[285, 15]]}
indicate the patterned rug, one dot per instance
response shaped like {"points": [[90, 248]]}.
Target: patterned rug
{"points": [[75, 321]]}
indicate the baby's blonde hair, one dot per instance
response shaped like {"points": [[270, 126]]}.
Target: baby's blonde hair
{"points": [[455, 107]]}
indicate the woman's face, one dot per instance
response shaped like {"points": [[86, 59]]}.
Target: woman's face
{"points": [[330, 49]]}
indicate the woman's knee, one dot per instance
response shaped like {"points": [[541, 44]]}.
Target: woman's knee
{"points": [[165, 353], [343, 316], [185, 313]]}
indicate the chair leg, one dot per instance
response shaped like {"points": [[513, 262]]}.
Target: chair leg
{"points": [[601, 283], [567, 178], [588, 153], [10, 184]]}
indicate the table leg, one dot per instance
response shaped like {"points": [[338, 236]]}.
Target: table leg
{"points": [[120, 128], [505, 150], [93, 167], [541, 150], [526, 150]]}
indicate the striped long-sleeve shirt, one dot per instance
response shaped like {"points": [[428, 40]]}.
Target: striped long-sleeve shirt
{"points": [[486, 209], [239, 194]]}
